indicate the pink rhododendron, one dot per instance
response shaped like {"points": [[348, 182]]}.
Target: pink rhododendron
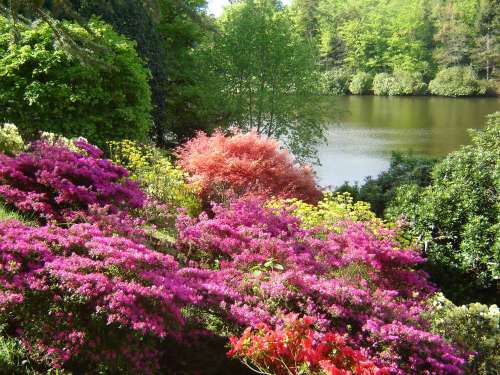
{"points": [[55, 182], [79, 289], [263, 264]]}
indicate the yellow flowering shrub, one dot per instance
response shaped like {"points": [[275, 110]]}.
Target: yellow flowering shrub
{"points": [[332, 209], [11, 141], [158, 176], [335, 208]]}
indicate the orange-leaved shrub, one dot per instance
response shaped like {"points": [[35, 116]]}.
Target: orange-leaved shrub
{"points": [[245, 164]]}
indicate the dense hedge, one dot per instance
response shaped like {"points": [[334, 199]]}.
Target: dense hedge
{"points": [[379, 191], [42, 87], [335, 82]]}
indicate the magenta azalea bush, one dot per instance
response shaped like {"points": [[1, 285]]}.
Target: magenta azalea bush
{"points": [[88, 289], [76, 295], [56, 183], [354, 281]]}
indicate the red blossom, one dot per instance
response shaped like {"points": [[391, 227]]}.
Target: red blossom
{"points": [[296, 346]]}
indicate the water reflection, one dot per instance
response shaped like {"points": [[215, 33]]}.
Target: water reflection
{"points": [[370, 128]]}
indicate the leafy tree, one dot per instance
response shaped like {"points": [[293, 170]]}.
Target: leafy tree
{"points": [[486, 55], [451, 35], [456, 217], [165, 32], [266, 75], [43, 87], [305, 16]]}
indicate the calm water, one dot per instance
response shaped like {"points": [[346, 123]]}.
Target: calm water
{"points": [[369, 128]]}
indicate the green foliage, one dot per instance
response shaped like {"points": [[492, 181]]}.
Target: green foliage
{"points": [[474, 328], [456, 81], [404, 169], [42, 87], [335, 82], [408, 83], [6, 214], [161, 180], [452, 34], [361, 83], [12, 356], [138, 21], [383, 84], [415, 37], [401, 83], [375, 35], [11, 141], [263, 74], [456, 217]]}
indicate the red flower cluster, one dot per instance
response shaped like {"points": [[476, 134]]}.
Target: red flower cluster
{"points": [[298, 349]]}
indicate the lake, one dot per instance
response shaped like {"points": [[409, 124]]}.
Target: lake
{"points": [[369, 128]]}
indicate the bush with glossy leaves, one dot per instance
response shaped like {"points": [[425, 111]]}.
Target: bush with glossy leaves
{"points": [[456, 217]]}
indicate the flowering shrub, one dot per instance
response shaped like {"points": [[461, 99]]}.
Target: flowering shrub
{"points": [[11, 141], [76, 297], [475, 328], [55, 182], [331, 210], [298, 349], [353, 281], [159, 178], [245, 164]]}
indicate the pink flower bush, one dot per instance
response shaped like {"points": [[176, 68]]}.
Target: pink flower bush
{"points": [[245, 164], [76, 294], [55, 182], [355, 282]]}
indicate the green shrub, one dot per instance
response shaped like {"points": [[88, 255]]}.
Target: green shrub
{"points": [[361, 83], [400, 83], [404, 169], [43, 87], [456, 217], [383, 84], [335, 82], [408, 83], [474, 328], [11, 141], [456, 81]]}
